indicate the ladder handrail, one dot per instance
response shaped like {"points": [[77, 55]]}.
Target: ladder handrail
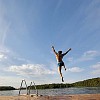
{"points": [[34, 87], [21, 86], [28, 90]]}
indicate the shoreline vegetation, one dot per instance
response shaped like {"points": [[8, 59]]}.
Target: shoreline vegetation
{"points": [[7, 88], [94, 82]]}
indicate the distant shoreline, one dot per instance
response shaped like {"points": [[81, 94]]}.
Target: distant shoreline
{"points": [[5, 88], [94, 82]]}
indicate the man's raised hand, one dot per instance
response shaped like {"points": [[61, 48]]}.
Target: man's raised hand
{"points": [[70, 49], [52, 47]]}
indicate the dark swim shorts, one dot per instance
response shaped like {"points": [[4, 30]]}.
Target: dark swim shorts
{"points": [[61, 63]]}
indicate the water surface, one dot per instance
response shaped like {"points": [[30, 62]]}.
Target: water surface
{"points": [[51, 92]]}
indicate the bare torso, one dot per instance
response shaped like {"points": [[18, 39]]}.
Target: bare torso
{"points": [[59, 57]]}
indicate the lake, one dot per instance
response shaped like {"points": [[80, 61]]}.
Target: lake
{"points": [[51, 92]]}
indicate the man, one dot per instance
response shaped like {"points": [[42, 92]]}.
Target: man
{"points": [[59, 57]]}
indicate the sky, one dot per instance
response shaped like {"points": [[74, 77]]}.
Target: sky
{"points": [[28, 29]]}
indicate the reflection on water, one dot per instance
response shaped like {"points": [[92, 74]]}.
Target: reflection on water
{"points": [[87, 90]]}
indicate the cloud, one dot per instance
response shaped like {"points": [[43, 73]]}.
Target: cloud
{"points": [[9, 57], [2, 56], [10, 81], [4, 24], [3, 49], [31, 69], [88, 55], [96, 69], [20, 59], [75, 69]]}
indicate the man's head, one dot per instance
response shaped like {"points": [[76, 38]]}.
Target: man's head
{"points": [[59, 52]]}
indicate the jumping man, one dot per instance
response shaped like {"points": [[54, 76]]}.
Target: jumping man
{"points": [[59, 57]]}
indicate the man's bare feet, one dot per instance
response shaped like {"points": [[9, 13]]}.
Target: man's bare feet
{"points": [[62, 79]]}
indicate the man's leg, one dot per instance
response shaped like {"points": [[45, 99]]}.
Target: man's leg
{"points": [[64, 67], [59, 70]]}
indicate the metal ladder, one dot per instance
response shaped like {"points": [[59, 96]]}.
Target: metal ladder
{"points": [[34, 87], [28, 90]]}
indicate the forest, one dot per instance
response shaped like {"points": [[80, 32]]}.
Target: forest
{"points": [[94, 82], [6, 88]]}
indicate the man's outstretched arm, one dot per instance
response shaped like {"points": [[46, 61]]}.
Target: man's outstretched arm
{"points": [[54, 50], [67, 51]]}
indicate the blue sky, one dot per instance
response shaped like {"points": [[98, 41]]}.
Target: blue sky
{"points": [[28, 29]]}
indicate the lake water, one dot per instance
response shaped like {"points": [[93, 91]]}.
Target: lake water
{"points": [[51, 92]]}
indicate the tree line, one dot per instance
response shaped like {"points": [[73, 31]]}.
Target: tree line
{"points": [[6, 88], [94, 82]]}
